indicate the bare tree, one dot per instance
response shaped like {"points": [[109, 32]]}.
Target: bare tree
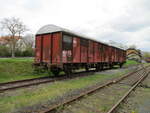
{"points": [[15, 28]]}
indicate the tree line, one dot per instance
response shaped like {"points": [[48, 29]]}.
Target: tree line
{"points": [[15, 43]]}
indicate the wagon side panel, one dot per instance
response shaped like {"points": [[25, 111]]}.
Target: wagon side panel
{"points": [[97, 57], [38, 49], [67, 48], [91, 52], [76, 50], [117, 55], [56, 48], [99, 51], [107, 54], [116, 60], [124, 56], [46, 48], [84, 50], [121, 56], [104, 52], [83, 54], [110, 54], [113, 54]]}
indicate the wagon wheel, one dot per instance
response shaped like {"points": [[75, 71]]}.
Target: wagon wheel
{"points": [[56, 73], [120, 65], [68, 70], [87, 68], [110, 66], [102, 67], [98, 67]]}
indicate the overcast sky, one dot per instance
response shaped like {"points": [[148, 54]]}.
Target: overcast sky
{"points": [[123, 21]]}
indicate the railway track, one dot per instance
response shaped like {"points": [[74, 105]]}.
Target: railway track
{"points": [[140, 75], [42, 80], [36, 81], [114, 108]]}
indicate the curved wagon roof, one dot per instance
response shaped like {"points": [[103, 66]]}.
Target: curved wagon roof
{"points": [[53, 28], [50, 28]]}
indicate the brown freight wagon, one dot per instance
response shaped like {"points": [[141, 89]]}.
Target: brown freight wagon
{"points": [[59, 49]]}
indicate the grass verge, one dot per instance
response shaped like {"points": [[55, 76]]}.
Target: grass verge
{"points": [[130, 63], [12, 69]]}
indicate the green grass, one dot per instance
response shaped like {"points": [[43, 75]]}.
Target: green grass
{"points": [[12, 69], [42, 93], [130, 62], [16, 59]]}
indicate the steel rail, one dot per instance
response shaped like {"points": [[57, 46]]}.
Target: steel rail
{"points": [[19, 81], [127, 93], [54, 107], [37, 81]]}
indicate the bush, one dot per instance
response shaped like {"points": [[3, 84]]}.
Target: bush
{"points": [[28, 52], [18, 53], [4, 51]]}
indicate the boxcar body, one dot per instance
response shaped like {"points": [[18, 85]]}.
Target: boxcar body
{"points": [[59, 49]]}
